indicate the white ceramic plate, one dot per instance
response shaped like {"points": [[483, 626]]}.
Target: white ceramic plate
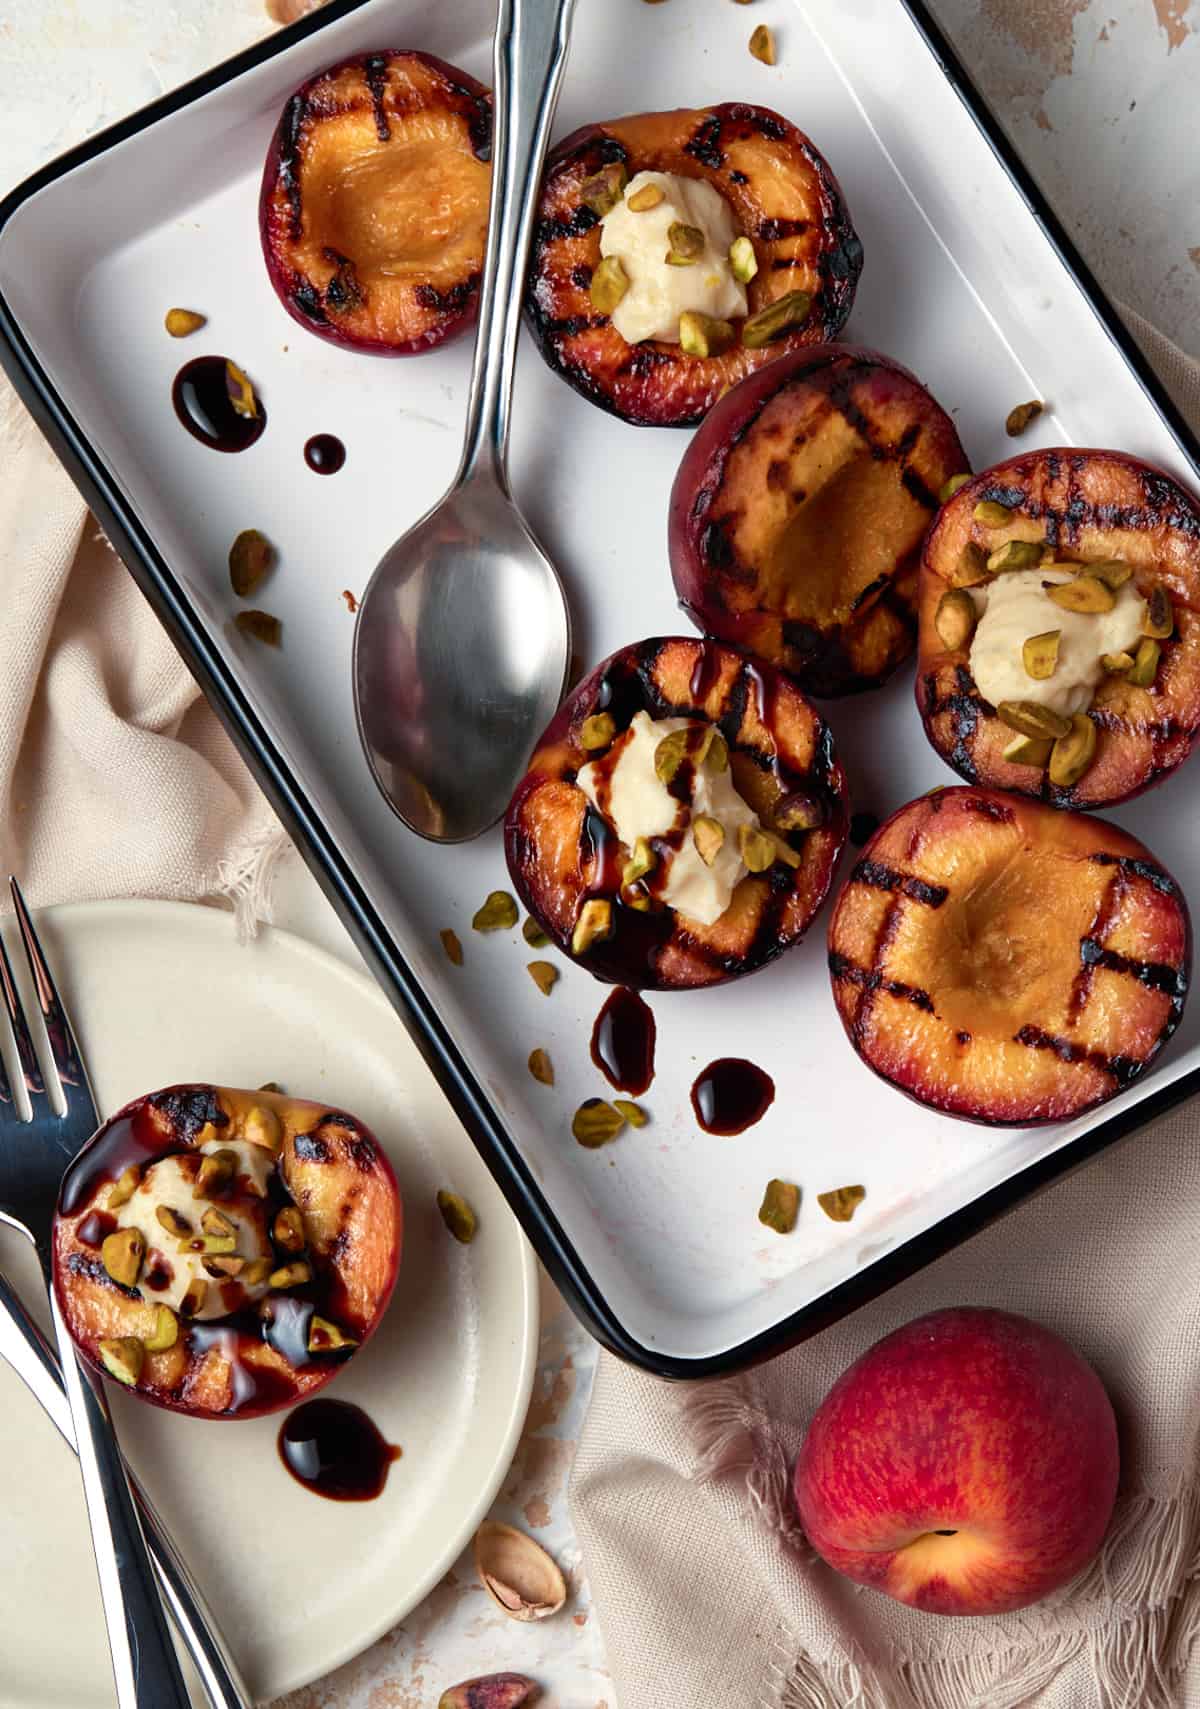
{"points": [[162, 992]]}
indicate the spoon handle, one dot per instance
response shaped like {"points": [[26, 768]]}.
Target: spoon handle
{"points": [[530, 56]]}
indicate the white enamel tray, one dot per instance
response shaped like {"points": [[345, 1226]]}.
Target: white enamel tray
{"points": [[162, 992], [967, 281]]}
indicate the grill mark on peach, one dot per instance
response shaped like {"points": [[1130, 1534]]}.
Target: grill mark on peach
{"points": [[79, 1264], [294, 115], [1123, 1070], [868, 979], [1154, 975], [1145, 869], [375, 77], [877, 876], [1105, 918], [705, 144]]}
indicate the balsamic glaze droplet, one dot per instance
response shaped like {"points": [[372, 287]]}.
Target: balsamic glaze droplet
{"points": [[332, 1448], [731, 1094], [203, 401], [623, 1042], [324, 454]]}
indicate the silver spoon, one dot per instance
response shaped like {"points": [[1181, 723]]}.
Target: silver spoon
{"points": [[463, 636]]}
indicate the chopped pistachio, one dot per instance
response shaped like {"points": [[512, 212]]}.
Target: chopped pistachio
{"points": [[756, 849], [609, 285], [1145, 664], [991, 514], [166, 1330], [1039, 654], [1015, 555], [181, 323], [292, 1275], [595, 923], [641, 861], [122, 1189], [641, 202], [955, 619], [784, 851], [955, 484], [241, 392], [121, 1253], [262, 1126], [287, 1231], [634, 1114], [780, 1206], [1029, 750], [452, 945], [1159, 621], [708, 834], [257, 1271], [493, 1690], [209, 1245], [1084, 593], [544, 975], [597, 731], [596, 1122], [271, 1086], [1113, 572], [1073, 753], [1021, 417], [604, 189], [762, 45], [533, 934], [972, 565], [841, 1204], [216, 1172], [498, 914], [219, 1268], [193, 1300], [699, 743], [798, 812], [122, 1357], [1116, 663], [1028, 718], [779, 318], [260, 625], [743, 262], [326, 1337], [703, 335], [687, 244], [250, 557], [172, 1221], [458, 1216], [541, 1067]]}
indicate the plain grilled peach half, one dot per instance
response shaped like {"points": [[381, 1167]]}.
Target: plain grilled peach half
{"points": [[601, 900], [374, 203], [1099, 515], [222, 1253], [783, 198], [1007, 963], [800, 509]]}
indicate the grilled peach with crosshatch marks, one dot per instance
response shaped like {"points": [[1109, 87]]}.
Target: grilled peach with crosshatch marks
{"points": [[1001, 961], [222, 1253], [800, 262], [799, 512], [1110, 541], [681, 817], [374, 202]]}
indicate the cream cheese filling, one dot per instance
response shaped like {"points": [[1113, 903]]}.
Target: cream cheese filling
{"points": [[1014, 607], [658, 291]]}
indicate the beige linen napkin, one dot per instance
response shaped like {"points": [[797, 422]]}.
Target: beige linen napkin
{"points": [[115, 777], [705, 1587]]}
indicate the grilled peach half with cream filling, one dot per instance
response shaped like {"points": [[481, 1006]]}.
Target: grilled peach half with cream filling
{"points": [[680, 818], [1059, 627], [798, 257], [374, 203], [1001, 961], [222, 1253], [800, 509]]}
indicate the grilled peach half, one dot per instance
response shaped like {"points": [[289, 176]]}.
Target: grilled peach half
{"points": [[374, 202], [1006, 963], [222, 1253], [800, 509], [567, 862], [782, 196], [1086, 506]]}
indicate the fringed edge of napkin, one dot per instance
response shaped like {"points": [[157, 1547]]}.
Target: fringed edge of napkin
{"points": [[1121, 1613], [246, 880]]}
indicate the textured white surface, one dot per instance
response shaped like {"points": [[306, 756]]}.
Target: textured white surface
{"points": [[1101, 99]]}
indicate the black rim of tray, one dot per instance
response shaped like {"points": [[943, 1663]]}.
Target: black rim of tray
{"points": [[158, 583]]}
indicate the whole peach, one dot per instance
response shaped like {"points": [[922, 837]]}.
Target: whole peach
{"points": [[966, 1464]]}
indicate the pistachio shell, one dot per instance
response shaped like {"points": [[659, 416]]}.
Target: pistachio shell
{"points": [[491, 1691], [841, 1204], [1073, 753], [541, 1067], [498, 914], [544, 975], [517, 1573], [780, 1206]]}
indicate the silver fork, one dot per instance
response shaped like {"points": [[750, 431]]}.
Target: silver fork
{"points": [[33, 1157]]}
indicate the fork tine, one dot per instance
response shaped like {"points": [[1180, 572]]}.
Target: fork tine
{"points": [[63, 1048], [35, 1084]]}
